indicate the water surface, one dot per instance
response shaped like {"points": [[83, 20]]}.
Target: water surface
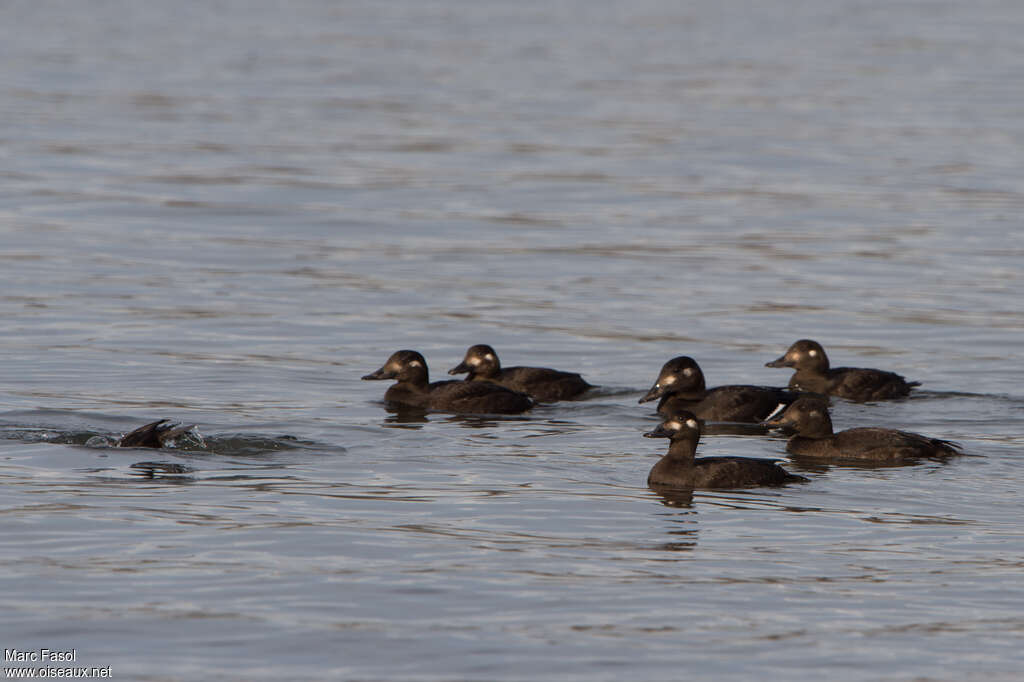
{"points": [[226, 213]]}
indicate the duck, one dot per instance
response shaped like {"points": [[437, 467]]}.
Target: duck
{"points": [[153, 435], [680, 386], [679, 468], [414, 390], [543, 384], [814, 375], [809, 422]]}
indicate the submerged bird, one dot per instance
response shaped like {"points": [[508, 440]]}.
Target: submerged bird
{"points": [[809, 420], [813, 374], [680, 385], [414, 390], [680, 469], [154, 435], [540, 383]]}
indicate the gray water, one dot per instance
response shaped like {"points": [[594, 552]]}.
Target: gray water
{"points": [[226, 213]]}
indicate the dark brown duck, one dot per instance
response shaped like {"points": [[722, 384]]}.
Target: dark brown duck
{"points": [[679, 468], [680, 386], [540, 383], [414, 390], [809, 420], [814, 375], [153, 435]]}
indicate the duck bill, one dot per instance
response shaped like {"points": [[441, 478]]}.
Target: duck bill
{"points": [[656, 392], [658, 432], [780, 423], [461, 368], [382, 373], [779, 362]]}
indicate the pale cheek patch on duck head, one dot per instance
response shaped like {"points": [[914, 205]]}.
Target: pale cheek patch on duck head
{"points": [[692, 423], [688, 372], [667, 381], [474, 361], [490, 357], [813, 353]]}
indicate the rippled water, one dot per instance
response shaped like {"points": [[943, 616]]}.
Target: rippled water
{"points": [[226, 213]]}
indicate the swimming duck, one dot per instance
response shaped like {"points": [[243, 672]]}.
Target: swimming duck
{"points": [[540, 383], [414, 390], [853, 383], [680, 469], [680, 385], [809, 420], [153, 435]]}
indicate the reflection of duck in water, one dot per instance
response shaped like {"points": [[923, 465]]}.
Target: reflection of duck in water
{"points": [[540, 383], [674, 497], [679, 468], [414, 390], [154, 435], [680, 386], [814, 375], [808, 418]]}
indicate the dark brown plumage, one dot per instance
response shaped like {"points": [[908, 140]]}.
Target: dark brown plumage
{"points": [[680, 385], [540, 383], [679, 468], [414, 390], [153, 435], [808, 418], [814, 375]]}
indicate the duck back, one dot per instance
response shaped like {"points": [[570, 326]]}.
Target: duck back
{"points": [[719, 472], [481, 397], [542, 383], [868, 384], [872, 444], [854, 383], [153, 435], [738, 403]]}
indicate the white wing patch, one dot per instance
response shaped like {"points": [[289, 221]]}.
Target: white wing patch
{"points": [[778, 409]]}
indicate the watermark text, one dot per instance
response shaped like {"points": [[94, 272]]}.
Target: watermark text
{"points": [[39, 664]]}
